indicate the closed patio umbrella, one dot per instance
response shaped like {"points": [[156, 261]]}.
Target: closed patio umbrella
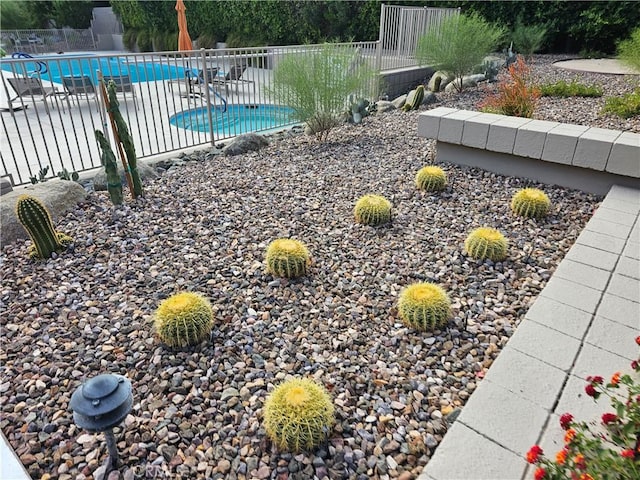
{"points": [[184, 40]]}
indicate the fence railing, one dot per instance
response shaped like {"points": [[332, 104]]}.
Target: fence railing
{"points": [[48, 41], [401, 28], [170, 101]]}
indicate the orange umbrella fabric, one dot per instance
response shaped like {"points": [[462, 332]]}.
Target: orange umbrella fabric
{"points": [[184, 40]]}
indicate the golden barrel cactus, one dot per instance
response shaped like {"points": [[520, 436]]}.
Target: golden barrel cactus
{"points": [[424, 306], [488, 243], [184, 319], [298, 414], [287, 258], [431, 179], [530, 203], [372, 210]]}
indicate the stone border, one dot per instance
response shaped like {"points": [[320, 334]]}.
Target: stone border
{"points": [[588, 158]]}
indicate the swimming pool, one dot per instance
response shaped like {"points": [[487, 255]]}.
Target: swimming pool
{"points": [[59, 66], [237, 119]]}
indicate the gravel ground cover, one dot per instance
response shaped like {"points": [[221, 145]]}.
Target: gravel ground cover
{"points": [[204, 227]]}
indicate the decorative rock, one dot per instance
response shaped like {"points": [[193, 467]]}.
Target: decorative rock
{"points": [[383, 106], [444, 79], [147, 173], [245, 143], [399, 101]]}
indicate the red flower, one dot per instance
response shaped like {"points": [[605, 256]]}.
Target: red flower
{"points": [[561, 456], [638, 339], [591, 391], [571, 433], [565, 420], [608, 418], [539, 473], [533, 454], [615, 380], [586, 476], [597, 379], [579, 461], [628, 453], [635, 365]]}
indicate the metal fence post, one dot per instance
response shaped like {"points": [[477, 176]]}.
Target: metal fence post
{"points": [[207, 95]]}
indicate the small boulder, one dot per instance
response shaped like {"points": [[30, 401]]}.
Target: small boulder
{"points": [[467, 82], [57, 195], [245, 143], [399, 102], [429, 97], [384, 106], [443, 77], [146, 172]]}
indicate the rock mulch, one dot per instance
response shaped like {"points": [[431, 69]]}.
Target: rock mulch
{"points": [[204, 227]]}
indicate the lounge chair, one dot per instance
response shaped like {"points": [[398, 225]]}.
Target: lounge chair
{"points": [[31, 87], [123, 85], [233, 77], [80, 85]]}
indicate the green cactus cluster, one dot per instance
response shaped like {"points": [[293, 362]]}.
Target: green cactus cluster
{"points": [[184, 319], [431, 179], [114, 185], [424, 306], [36, 220], [288, 258], [530, 203], [372, 210], [298, 415], [416, 101], [488, 243]]}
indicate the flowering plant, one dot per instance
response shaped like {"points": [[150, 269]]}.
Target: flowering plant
{"points": [[609, 449], [516, 96]]}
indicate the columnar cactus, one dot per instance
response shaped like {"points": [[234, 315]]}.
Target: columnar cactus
{"points": [[424, 306], [431, 179], [36, 220], [114, 185], [184, 319], [416, 101], [486, 243], [372, 210], [298, 414], [287, 258], [531, 203]]}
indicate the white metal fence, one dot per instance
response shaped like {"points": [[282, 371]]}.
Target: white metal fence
{"points": [[401, 28], [169, 100], [49, 40]]}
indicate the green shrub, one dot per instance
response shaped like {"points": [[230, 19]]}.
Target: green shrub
{"points": [[528, 39], [287, 258], [129, 38], [629, 50], [316, 85], [184, 319], [298, 414], [424, 306], [207, 40], [459, 44], [626, 106], [573, 89], [144, 41]]}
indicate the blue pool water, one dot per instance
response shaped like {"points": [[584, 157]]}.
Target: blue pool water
{"points": [[67, 65], [236, 120]]}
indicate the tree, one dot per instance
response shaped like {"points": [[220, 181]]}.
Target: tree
{"points": [[629, 50], [72, 14], [14, 16], [461, 42], [316, 85]]}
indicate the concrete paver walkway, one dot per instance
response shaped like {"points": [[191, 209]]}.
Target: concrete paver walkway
{"points": [[583, 323]]}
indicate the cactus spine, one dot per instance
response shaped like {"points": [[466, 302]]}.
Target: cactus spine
{"points": [[184, 319], [431, 179], [36, 220], [287, 258], [298, 414], [372, 210], [486, 243], [126, 140], [114, 185], [530, 203], [416, 101], [424, 306]]}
